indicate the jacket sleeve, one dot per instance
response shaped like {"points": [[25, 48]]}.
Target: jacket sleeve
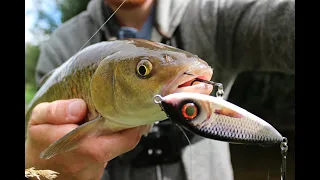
{"points": [[64, 42], [254, 35]]}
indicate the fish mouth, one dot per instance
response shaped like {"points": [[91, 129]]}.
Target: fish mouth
{"points": [[186, 82]]}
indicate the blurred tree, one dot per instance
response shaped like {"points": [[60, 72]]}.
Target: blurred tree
{"points": [[44, 23], [70, 8], [47, 17], [31, 56]]}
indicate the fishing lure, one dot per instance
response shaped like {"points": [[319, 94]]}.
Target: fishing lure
{"points": [[215, 118]]}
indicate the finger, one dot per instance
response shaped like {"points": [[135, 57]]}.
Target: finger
{"points": [[104, 148], [59, 112], [48, 133]]}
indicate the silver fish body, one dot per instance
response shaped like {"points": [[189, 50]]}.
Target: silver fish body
{"points": [[215, 118]]}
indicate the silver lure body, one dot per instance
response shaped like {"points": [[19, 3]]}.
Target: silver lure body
{"points": [[219, 119]]}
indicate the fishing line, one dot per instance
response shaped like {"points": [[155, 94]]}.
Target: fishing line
{"points": [[103, 25], [157, 99], [189, 147]]}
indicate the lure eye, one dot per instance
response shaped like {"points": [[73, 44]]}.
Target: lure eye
{"points": [[189, 111], [144, 68]]}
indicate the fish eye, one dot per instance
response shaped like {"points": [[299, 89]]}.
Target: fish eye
{"points": [[144, 68], [189, 110]]}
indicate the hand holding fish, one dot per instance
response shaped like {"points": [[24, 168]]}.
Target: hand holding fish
{"points": [[51, 121]]}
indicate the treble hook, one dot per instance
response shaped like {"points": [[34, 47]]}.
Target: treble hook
{"points": [[284, 150], [220, 91]]}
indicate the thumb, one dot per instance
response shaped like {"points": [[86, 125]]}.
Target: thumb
{"points": [[59, 112]]}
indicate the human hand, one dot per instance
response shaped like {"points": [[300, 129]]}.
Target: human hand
{"points": [[51, 121]]}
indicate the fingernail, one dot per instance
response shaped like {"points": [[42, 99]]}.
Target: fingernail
{"points": [[75, 107]]}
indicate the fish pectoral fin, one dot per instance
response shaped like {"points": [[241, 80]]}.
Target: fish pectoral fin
{"points": [[71, 140]]}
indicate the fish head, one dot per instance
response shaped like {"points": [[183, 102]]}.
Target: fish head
{"points": [[123, 86]]}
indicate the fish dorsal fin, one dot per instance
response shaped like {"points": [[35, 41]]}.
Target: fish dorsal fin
{"points": [[45, 77]]}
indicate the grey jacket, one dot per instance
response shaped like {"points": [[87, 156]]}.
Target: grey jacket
{"points": [[231, 35]]}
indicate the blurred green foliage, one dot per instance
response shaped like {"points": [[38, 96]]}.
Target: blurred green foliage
{"points": [[70, 8], [31, 57]]}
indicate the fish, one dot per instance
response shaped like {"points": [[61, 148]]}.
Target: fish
{"points": [[118, 79], [215, 118]]}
